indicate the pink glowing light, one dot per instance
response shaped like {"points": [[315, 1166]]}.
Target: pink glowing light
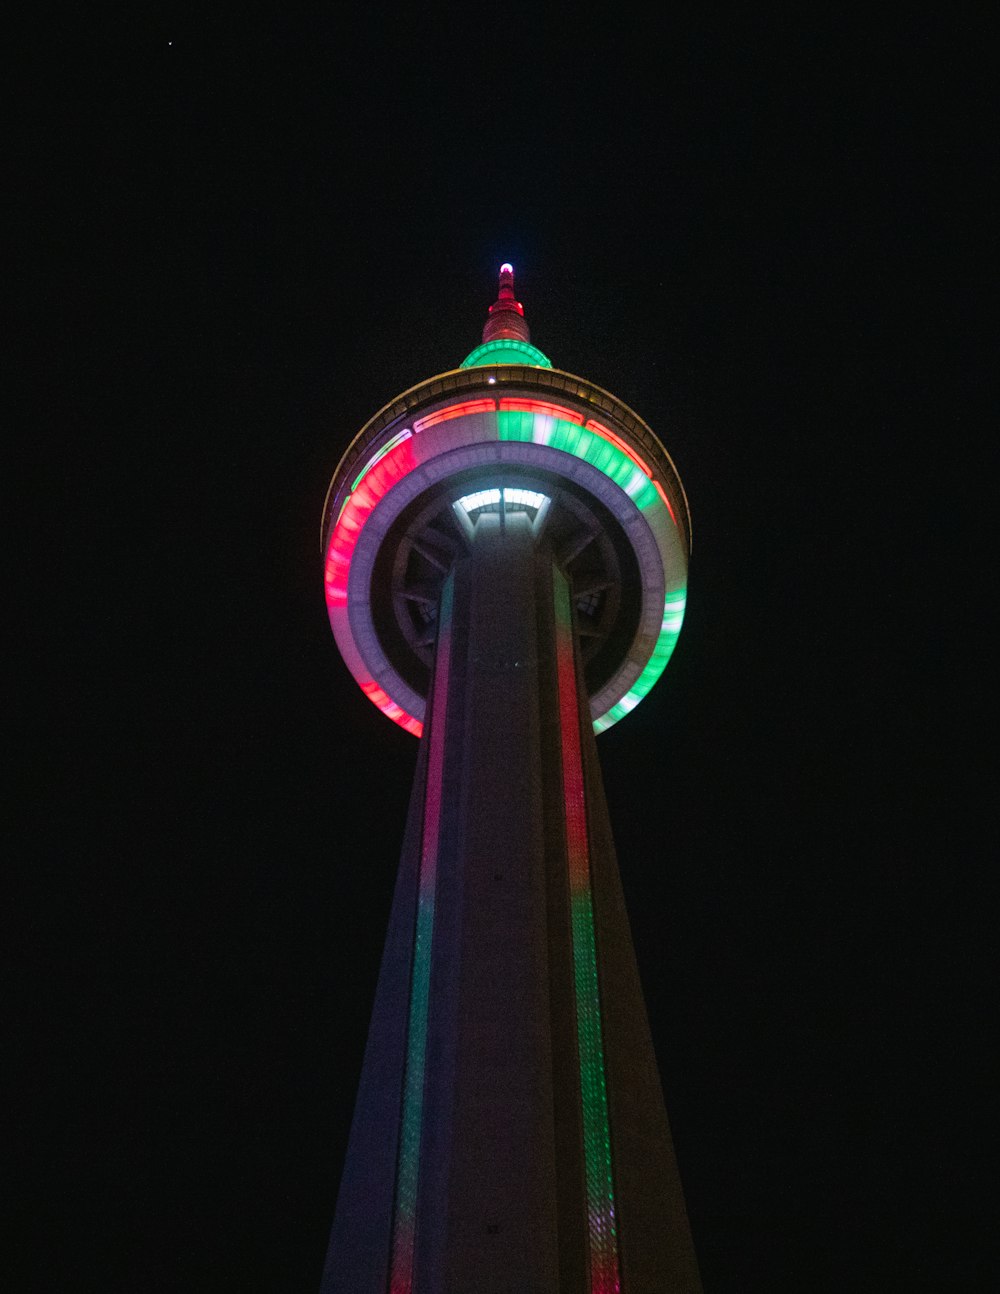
{"points": [[389, 707], [514, 405], [454, 411], [408, 1164], [377, 482], [602, 1229]]}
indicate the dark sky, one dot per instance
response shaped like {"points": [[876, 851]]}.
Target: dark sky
{"points": [[243, 235]]}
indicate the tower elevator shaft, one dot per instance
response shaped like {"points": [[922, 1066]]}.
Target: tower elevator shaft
{"points": [[510, 1135]]}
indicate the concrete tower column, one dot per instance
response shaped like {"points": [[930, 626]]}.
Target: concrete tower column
{"points": [[510, 1135]]}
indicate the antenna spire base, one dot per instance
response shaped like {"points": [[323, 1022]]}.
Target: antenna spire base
{"points": [[506, 317]]}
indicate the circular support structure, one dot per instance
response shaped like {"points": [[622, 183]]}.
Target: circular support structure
{"points": [[501, 436]]}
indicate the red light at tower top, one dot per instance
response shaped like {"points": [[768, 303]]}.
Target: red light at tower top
{"points": [[506, 318]]}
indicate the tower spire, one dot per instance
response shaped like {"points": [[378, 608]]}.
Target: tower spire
{"points": [[506, 317]]}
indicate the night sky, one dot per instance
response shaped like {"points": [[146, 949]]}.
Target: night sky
{"points": [[241, 237]]}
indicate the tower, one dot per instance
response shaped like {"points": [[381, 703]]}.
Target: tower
{"points": [[506, 552]]}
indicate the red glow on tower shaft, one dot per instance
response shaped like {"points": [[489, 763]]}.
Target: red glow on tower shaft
{"points": [[604, 1273]]}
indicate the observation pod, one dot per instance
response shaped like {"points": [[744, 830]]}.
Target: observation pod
{"points": [[506, 550]]}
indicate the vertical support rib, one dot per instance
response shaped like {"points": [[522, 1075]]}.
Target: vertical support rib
{"points": [[404, 1218], [602, 1227]]}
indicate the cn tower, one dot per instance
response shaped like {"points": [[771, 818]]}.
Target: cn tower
{"points": [[506, 550]]}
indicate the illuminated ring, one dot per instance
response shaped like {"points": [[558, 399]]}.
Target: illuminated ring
{"points": [[508, 429]]}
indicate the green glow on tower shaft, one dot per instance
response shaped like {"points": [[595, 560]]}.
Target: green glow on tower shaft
{"points": [[408, 1168], [601, 1221]]}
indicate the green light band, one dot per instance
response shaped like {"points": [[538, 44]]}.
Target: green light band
{"points": [[544, 429], [601, 1220], [408, 1167], [506, 350], [581, 442], [673, 617]]}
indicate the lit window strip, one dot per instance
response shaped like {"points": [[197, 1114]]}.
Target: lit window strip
{"points": [[511, 494], [408, 1170], [601, 1220], [529, 498], [481, 499]]}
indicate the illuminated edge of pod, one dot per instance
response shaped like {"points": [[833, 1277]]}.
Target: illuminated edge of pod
{"points": [[387, 448], [540, 422], [601, 1223], [404, 1224]]}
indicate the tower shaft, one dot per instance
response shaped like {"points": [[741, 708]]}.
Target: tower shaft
{"points": [[509, 1133]]}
